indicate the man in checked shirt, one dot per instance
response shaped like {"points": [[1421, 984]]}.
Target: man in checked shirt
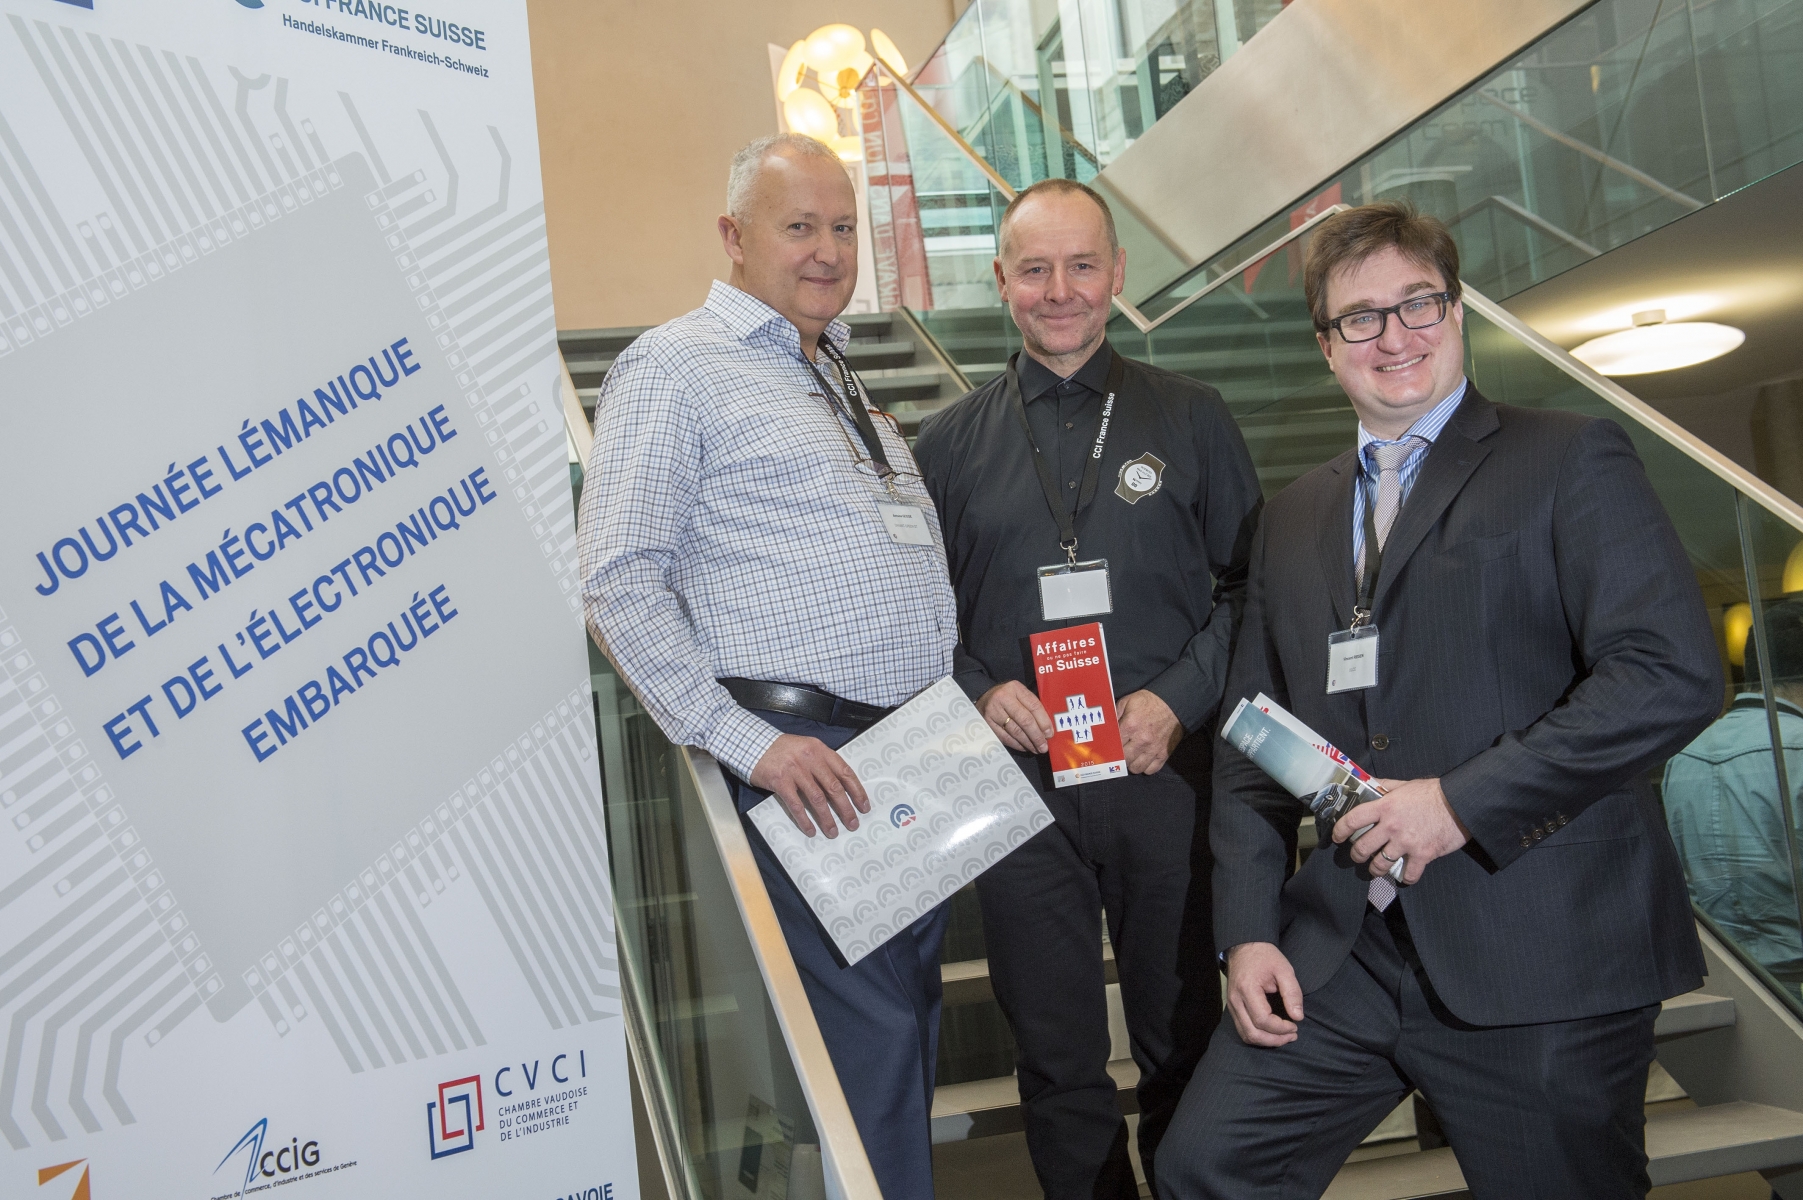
{"points": [[762, 563]]}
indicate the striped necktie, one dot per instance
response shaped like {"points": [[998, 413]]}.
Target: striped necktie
{"points": [[1389, 457]]}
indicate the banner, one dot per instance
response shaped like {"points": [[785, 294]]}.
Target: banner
{"points": [[303, 872]]}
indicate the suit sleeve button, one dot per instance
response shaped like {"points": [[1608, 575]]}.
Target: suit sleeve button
{"points": [[1526, 842], [1380, 742]]}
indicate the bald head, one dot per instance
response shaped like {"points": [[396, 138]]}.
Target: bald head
{"points": [[791, 230], [1055, 189]]}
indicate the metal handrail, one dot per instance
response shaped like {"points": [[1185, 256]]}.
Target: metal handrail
{"points": [[1585, 148], [982, 164], [1021, 95], [847, 1166], [1256, 257], [944, 360], [1711, 459], [1534, 219]]}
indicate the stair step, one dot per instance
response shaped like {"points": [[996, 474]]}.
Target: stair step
{"points": [[607, 342], [915, 383], [866, 355], [1693, 1012], [1690, 1144], [989, 1107], [968, 982]]}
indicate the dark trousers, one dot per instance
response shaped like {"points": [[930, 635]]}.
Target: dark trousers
{"points": [[1533, 1112], [879, 1017], [1137, 848]]}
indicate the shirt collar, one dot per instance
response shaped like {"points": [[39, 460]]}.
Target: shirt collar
{"points": [[1757, 700], [757, 323], [1428, 426], [1037, 379]]}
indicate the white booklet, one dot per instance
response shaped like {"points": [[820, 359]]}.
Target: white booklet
{"points": [[1309, 767], [946, 803], [1290, 752]]}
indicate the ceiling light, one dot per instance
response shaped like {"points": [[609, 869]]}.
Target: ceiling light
{"points": [[808, 113], [789, 75], [1655, 344], [1737, 623], [834, 48], [887, 51]]}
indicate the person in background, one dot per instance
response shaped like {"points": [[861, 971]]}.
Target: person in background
{"points": [[1487, 608], [1727, 815], [1073, 457], [765, 569]]}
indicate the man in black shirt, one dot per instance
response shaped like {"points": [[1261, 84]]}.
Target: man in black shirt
{"points": [[1165, 493]]}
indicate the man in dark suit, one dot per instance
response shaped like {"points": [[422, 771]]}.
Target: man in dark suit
{"points": [[1541, 646]]}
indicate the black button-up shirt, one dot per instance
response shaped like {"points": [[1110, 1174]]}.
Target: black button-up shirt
{"points": [[1176, 551]]}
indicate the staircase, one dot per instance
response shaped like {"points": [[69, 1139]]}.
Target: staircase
{"points": [[1705, 1117], [901, 369]]}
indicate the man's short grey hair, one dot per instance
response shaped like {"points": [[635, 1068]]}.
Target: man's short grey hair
{"points": [[748, 162]]}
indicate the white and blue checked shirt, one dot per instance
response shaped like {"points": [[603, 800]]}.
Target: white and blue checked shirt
{"points": [[729, 530], [1427, 428]]}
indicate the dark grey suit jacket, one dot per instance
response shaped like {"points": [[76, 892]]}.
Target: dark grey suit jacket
{"points": [[1543, 645]]}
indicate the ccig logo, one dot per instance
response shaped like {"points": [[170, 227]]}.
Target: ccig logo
{"points": [[277, 1163]]}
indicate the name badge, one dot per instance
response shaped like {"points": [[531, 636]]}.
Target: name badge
{"points": [[1069, 590], [1352, 659], [906, 524]]}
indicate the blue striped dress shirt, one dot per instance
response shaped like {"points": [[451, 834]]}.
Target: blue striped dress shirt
{"points": [[729, 528], [1427, 429]]}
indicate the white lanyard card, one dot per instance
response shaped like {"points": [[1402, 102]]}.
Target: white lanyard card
{"points": [[1352, 659], [1069, 590], [906, 523]]}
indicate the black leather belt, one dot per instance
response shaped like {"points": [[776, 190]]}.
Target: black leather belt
{"points": [[800, 700]]}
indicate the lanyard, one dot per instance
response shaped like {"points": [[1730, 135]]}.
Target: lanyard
{"points": [[1067, 524], [1374, 560], [853, 408]]}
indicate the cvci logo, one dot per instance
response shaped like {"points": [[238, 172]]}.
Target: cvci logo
{"points": [[543, 1090], [454, 1119]]}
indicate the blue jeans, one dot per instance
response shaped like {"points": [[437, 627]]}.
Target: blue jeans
{"points": [[879, 1017]]}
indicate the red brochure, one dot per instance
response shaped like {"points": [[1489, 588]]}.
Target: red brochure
{"points": [[1071, 666]]}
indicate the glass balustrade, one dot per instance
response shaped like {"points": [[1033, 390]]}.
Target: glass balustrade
{"points": [[1061, 89], [1731, 803], [934, 210], [1626, 117], [736, 1083], [716, 1072], [1623, 119]]}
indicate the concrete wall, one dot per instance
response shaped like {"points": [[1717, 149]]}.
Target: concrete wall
{"points": [[640, 107]]}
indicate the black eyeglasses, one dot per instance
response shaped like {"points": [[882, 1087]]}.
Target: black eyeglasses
{"points": [[1417, 312]]}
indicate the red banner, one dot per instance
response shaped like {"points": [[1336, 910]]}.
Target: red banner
{"points": [[895, 235]]}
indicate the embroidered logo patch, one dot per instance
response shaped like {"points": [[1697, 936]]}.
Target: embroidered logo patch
{"points": [[1140, 478]]}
